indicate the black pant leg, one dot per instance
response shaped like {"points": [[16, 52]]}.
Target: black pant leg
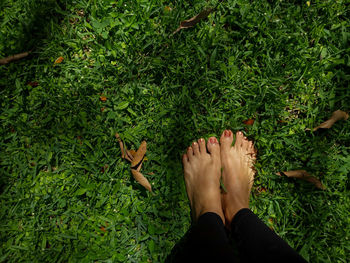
{"points": [[258, 243], [206, 241]]}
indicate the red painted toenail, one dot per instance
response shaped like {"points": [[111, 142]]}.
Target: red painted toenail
{"points": [[213, 140], [227, 133]]}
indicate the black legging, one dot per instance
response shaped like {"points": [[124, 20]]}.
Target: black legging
{"points": [[207, 241]]}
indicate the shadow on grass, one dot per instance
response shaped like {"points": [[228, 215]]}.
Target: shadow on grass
{"points": [[30, 23]]}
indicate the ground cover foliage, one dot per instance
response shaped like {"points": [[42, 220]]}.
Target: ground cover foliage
{"points": [[66, 193]]}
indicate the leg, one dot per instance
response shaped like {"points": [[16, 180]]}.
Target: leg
{"points": [[207, 240], [256, 242]]}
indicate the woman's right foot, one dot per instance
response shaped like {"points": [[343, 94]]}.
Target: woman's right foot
{"points": [[238, 173]]}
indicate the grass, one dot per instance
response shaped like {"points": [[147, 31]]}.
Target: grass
{"points": [[67, 196]]}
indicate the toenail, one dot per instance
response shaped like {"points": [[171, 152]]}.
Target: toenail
{"points": [[213, 140], [194, 143], [201, 140], [227, 133]]}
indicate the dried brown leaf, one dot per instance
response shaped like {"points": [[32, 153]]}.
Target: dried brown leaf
{"points": [[336, 116], [9, 59], [303, 174], [249, 122], [59, 60], [132, 152], [194, 20], [139, 166], [128, 155], [139, 154], [121, 145], [33, 83], [167, 9], [141, 179]]}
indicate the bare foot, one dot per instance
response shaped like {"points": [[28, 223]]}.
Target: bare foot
{"points": [[238, 173], [202, 172]]}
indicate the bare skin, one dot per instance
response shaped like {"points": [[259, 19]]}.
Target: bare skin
{"points": [[202, 172], [238, 174]]}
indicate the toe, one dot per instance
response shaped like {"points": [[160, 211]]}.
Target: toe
{"points": [[226, 139], [245, 144], [239, 139], [202, 148], [214, 148], [250, 148], [190, 153], [185, 161], [195, 148]]}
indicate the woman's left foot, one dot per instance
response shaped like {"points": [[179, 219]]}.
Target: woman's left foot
{"points": [[202, 172]]}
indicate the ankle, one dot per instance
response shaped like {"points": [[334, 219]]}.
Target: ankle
{"points": [[231, 211]]}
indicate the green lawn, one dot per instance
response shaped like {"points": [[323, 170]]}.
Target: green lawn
{"points": [[66, 194]]}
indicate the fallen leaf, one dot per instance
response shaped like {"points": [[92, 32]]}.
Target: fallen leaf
{"points": [[194, 20], [141, 179], [303, 174], [103, 228], [139, 166], [104, 168], [103, 109], [249, 122], [168, 9], [33, 83], [139, 155], [121, 145], [103, 98], [132, 152], [336, 116], [128, 155], [59, 60], [271, 223], [261, 189], [9, 59]]}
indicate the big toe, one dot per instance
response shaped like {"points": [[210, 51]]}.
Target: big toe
{"points": [[226, 140], [214, 148]]}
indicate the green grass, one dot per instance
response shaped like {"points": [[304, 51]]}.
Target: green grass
{"points": [[280, 62]]}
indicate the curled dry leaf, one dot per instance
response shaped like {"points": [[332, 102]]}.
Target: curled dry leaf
{"points": [[103, 98], [121, 145], [194, 20], [167, 9], [336, 116], [136, 158], [139, 155], [303, 174], [131, 152], [33, 83], [9, 59], [59, 60], [141, 179], [249, 122]]}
